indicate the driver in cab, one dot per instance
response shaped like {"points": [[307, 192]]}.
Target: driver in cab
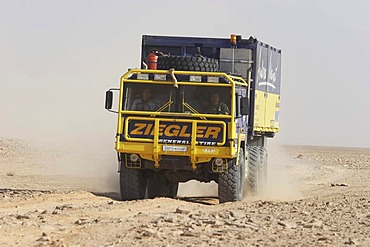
{"points": [[145, 103]]}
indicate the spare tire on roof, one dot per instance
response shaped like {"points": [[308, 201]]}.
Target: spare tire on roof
{"points": [[186, 63]]}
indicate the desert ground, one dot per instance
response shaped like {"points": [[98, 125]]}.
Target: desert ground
{"points": [[315, 196]]}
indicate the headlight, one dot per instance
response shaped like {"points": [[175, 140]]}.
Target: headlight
{"points": [[134, 157], [219, 162]]}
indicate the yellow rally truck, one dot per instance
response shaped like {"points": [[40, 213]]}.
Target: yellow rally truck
{"points": [[198, 108]]}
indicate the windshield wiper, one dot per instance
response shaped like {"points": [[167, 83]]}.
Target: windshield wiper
{"points": [[168, 104], [192, 109]]}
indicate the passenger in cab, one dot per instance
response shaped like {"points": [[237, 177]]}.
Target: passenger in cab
{"points": [[216, 106]]}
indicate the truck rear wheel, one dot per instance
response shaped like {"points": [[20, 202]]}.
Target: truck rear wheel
{"points": [[231, 183], [187, 63], [263, 173], [159, 186], [256, 168], [132, 183]]}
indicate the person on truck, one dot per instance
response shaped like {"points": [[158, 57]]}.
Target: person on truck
{"points": [[145, 103], [216, 106]]}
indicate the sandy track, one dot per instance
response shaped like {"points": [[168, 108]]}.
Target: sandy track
{"points": [[315, 196]]}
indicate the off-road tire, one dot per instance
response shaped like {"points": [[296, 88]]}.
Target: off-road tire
{"points": [[256, 168], [187, 63], [231, 183], [159, 186], [263, 173], [132, 183]]}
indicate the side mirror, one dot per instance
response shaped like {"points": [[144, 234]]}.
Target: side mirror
{"points": [[108, 100], [244, 106]]}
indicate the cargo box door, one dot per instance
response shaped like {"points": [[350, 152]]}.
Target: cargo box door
{"points": [[267, 94], [260, 89], [273, 91]]}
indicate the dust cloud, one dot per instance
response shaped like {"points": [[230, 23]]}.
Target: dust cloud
{"points": [[196, 188], [282, 183], [92, 171], [67, 123], [67, 167]]}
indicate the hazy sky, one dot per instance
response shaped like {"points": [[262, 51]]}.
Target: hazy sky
{"points": [[57, 58]]}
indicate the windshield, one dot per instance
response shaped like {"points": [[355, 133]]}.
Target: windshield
{"points": [[184, 99]]}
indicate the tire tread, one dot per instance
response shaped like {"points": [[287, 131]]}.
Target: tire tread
{"points": [[186, 63]]}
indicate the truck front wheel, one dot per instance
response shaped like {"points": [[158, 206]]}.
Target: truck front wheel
{"points": [[132, 183], [231, 183]]}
